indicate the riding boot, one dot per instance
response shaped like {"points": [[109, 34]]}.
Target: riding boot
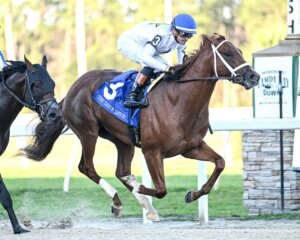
{"points": [[131, 100]]}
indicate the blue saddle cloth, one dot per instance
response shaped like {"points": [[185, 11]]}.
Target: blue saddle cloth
{"points": [[110, 95]]}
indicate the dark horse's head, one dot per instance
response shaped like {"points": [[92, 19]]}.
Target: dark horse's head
{"points": [[35, 91], [229, 63], [40, 91]]}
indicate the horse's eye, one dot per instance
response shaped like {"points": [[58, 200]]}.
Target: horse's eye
{"points": [[228, 54], [36, 85]]}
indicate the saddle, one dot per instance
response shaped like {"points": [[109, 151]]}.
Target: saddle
{"points": [[110, 95]]}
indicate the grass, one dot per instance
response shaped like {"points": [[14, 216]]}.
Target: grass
{"points": [[55, 164], [42, 198], [37, 187]]}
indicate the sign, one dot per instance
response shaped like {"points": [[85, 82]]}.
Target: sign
{"points": [[296, 153], [293, 17], [266, 95]]}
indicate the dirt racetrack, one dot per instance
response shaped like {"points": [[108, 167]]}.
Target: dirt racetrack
{"points": [[166, 229]]}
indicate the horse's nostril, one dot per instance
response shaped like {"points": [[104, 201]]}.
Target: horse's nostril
{"points": [[254, 77]]}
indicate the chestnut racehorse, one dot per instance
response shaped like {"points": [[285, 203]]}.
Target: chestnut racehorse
{"points": [[24, 84], [174, 123]]}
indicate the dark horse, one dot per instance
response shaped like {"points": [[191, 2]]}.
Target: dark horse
{"points": [[24, 84], [175, 122]]}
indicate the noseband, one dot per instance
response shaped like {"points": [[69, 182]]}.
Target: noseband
{"points": [[34, 105]]}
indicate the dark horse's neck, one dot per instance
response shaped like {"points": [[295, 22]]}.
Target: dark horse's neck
{"points": [[14, 76]]}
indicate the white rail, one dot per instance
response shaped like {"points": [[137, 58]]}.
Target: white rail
{"points": [[226, 119]]}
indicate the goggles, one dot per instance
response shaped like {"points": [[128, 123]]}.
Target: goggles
{"points": [[184, 35]]}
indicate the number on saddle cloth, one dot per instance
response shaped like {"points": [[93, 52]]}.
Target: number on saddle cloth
{"points": [[111, 95]]}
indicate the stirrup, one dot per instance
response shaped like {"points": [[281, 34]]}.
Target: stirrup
{"points": [[136, 104]]}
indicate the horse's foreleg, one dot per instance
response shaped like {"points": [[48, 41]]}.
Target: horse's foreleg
{"points": [[156, 169], [6, 202], [141, 198], [205, 153], [4, 139], [123, 173], [86, 166]]}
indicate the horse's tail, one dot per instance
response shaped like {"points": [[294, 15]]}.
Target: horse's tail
{"points": [[44, 138]]}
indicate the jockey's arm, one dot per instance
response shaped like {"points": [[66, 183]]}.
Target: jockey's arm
{"points": [[149, 59], [181, 54]]}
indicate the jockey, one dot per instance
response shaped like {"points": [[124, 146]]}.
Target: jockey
{"points": [[147, 41], [2, 61]]}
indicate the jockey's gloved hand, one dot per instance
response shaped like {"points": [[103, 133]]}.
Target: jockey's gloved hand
{"points": [[171, 73], [169, 70]]}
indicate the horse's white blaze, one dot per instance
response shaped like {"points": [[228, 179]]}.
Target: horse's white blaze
{"points": [[142, 199], [110, 190]]}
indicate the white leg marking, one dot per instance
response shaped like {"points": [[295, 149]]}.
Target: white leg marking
{"points": [[142, 199], [110, 190]]}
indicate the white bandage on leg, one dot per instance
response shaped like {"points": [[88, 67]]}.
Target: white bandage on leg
{"points": [[141, 198], [131, 180], [110, 190], [146, 204]]}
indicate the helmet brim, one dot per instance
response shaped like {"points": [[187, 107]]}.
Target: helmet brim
{"points": [[186, 30]]}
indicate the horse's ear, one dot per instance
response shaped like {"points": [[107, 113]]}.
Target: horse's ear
{"points": [[219, 36], [44, 62], [212, 38], [29, 64], [206, 38]]}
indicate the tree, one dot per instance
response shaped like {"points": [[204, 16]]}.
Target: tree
{"points": [[80, 37], [48, 27]]}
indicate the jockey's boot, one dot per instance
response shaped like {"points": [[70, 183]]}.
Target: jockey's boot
{"points": [[131, 100]]}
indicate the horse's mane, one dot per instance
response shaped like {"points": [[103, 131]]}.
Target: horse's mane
{"points": [[191, 59], [11, 68], [180, 69]]}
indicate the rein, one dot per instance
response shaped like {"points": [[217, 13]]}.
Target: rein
{"points": [[35, 105], [11, 93], [176, 79], [235, 78]]}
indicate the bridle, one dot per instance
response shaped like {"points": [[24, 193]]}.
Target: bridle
{"points": [[34, 105], [235, 78]]}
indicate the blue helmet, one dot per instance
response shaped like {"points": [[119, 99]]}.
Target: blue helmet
{"points": [[184, 23]]}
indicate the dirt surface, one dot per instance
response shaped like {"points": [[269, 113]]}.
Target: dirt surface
{"points": [[166, 229]]}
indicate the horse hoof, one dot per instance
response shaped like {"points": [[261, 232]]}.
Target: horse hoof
{"points": [[152, 216], [116, 210], [188, 197], [20, 230]]}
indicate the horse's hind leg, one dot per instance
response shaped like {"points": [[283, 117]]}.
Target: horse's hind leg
{"points": [[123, 173], [205, 153], [6, 202], [86, 166]]}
